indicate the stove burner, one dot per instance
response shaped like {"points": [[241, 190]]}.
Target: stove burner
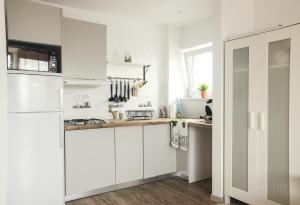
{"points": [[91, 121]]}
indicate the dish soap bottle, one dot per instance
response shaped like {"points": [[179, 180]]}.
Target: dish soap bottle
{"points": [[178, 109]]}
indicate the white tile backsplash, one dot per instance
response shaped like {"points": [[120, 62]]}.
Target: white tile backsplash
{"points": [[98, 98]]}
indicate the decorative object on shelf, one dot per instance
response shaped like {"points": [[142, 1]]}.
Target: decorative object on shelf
{"points": [[128, 58], [203, 89], [147, 103], [85, 102], [139, 114]]}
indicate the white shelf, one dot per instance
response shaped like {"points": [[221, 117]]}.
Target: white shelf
{"points": [[127, 64], [279, 66], [241, 70]]}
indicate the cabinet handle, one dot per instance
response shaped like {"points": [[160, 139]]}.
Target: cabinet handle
{"points": [[61, 132], [250, 120], [261, 121], [61, 98]]}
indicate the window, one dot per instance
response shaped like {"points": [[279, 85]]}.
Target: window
{"points": [[199, 65]]}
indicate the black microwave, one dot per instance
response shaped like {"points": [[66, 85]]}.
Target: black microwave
{"points": [[26, 56]]}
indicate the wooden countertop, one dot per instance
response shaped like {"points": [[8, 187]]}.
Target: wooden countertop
{"points": [[130, 123]]}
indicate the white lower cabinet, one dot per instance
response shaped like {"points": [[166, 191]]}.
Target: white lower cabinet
{"points": [[129, 154], [159, 156], [90, 160], [98, 158]]}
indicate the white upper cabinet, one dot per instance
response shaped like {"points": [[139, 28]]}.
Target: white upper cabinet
{"points": [[84, 50], [33, 22]]}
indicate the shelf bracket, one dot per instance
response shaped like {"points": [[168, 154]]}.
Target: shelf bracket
{"points": [[145, 70]]}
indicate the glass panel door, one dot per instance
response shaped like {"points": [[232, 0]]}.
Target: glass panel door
{"points": [[278, 121], [240, 118]]}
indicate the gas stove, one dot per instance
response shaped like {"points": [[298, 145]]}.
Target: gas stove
{"points": [[92, 121]]}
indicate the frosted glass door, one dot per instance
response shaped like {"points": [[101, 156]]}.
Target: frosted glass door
{"points": [[240, 118], [278, 121], [239, 139]]}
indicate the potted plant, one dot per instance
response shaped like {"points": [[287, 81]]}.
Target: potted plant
{"points": [[203, 89]]}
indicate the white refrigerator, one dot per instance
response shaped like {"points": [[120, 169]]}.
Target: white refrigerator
{"points": [[36, 139]]}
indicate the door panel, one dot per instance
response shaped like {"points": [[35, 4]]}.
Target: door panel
{"points": [[35, 169], [34, 93], [239, 158], [159, 156], [278, 121], [240, 118], [90, 160], [129, 154], [294, 128], [33, 22]]}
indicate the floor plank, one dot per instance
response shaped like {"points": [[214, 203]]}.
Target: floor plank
{"points": [[173, 191]]}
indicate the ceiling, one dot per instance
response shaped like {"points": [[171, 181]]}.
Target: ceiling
{"points": [[162, 12]]}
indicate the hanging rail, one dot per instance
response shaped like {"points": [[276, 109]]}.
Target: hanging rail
{"points": [[121, 78]]}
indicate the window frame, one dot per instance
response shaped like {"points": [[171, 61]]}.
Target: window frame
{"points": [[186, 54]]}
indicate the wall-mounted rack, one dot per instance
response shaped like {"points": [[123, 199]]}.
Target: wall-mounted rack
{"points": [[121, 78], [144, 66]]}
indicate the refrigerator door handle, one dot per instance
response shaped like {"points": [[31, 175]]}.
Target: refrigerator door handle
{"points": [[61, 98], [62, 133]]}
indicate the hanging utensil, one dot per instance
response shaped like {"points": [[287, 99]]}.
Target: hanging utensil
{"points": [[124, 97], [111, 99], [117, 100], [120, 96], [128, 90]]}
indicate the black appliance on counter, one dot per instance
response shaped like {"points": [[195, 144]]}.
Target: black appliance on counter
{"points": [[208, 110], [26, 56]]}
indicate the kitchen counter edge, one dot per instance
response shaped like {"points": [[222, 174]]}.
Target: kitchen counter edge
{"points": [[130, 123]]}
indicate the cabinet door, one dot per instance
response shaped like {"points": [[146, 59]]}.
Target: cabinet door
{"points": [[33, 22], [159, 156], [129, 154], [240, 135], [90, 160], [34, 93], [36, 159], [279, 110], [84, 50]]}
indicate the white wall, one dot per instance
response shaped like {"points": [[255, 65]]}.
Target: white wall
{"points": [[198, 33], [237, 17], [3, 108], [269, 13], [177, 76], [146, 42]]}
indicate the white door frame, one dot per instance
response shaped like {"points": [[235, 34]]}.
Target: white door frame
{"points": [[3, 107]]}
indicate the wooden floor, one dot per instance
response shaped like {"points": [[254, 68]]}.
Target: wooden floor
{"points": [[173, 191]]}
